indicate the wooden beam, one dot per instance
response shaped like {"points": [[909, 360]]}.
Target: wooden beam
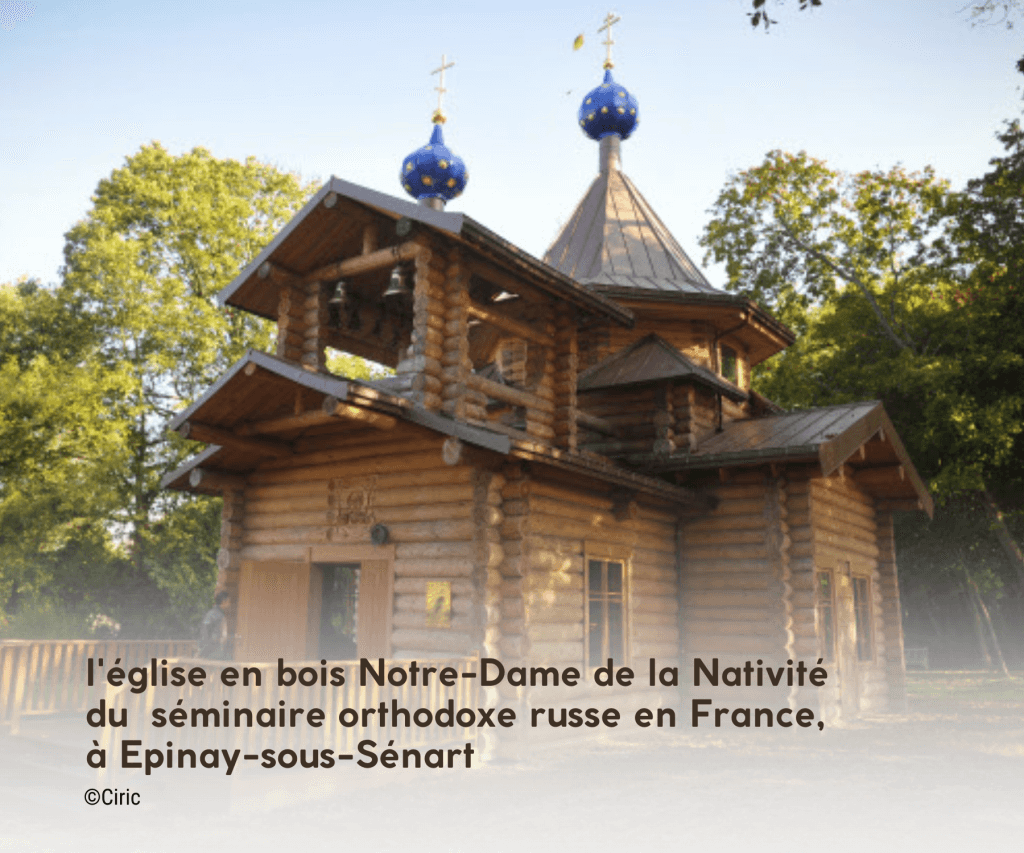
{"points": [[226, 438], [596, 424], [506, 281], [311, 418], [370, 238], [906, 504], [365, 263], [508, 394], [218, 481], [334, 407], [880, 476], [507, 324]]}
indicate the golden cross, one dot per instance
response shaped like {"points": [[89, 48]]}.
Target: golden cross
{"points": [[608, 42], [439, 115]]}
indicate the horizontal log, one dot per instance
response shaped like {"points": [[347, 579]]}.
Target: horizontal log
{"points": [[303, 420], [359, 264], [379, 465], [336, 408], [554, 632], [437, 640], [418, 586], [737, 580], [226, 438], [508, 324], [401, 444], [751, 551], [655, 633], [435, 550], [508, 394]]}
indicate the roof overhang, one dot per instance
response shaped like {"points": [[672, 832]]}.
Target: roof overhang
{"points": [[648, 361], [261, 389], [732, 315], [856, 439], [330, 225]]}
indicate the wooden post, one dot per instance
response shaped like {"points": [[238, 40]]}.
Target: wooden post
{"points": [[229, 561], [566, 366], [540, 369], [290, 323], [426, 347], [664, 421], [455, 359], [314, 355], [777, 543]]}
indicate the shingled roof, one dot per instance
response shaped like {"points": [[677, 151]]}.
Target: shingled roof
{"points": [[615, 239], [652, 359]]}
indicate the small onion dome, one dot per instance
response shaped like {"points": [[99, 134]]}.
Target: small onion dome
{"points": [[609, 109], [433, 171]]}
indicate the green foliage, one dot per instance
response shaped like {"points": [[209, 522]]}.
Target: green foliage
{"points": [[91, 370], [354, 367], [891, 301], [908, 292]]}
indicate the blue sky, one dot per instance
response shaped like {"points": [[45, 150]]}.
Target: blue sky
{"points": [[341, 88]]}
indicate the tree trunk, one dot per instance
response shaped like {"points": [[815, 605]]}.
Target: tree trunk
{"points": [[1010, 548], [979, 603]]}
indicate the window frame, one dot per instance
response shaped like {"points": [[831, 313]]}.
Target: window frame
{"points": [[867, 607], [829, 655], [597, 553]]}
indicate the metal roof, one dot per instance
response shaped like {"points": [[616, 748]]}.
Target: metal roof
{"points": [[652, 359], [614, 238], [830, 435]]}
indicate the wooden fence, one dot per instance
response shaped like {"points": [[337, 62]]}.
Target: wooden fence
{"points": [[49, 676], [348, 699]]}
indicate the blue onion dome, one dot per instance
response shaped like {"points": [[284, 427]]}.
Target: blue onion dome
{"points": [[609, 109], [433, 171]]}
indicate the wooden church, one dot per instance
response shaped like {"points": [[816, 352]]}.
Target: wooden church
{"points": [[568, 465]]}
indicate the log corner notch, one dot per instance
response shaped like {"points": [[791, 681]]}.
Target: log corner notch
{"points": [[206, 480]]}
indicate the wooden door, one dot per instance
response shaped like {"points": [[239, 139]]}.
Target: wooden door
{"points": [[376, 587], [273, 611]]}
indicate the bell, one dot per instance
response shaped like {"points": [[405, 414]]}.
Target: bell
{"points": [[338, 298], [396, 288]]}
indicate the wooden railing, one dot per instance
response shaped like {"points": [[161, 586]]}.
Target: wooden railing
{"points": [[332, 734], [49, 676]]}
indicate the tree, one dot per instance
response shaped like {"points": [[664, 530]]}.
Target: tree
{"points": [[897, 296], [144, 336], [1002, 12], [54, 430]]}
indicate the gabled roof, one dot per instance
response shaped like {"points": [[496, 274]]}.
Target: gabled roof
{"points": [[652, 359], [329, 228], [832, 436], [615, 239]]}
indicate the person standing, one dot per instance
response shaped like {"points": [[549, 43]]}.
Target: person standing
{"points": [[213, 631]]}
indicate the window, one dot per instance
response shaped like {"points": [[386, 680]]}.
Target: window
{"points": [[826, 616], [606, 612], [862, 616], [339, 606], [729, 364]]}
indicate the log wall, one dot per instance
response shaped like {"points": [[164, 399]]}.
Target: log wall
{"points": [[843, 529], [444, 523], [735, 580], [549, 529]]}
